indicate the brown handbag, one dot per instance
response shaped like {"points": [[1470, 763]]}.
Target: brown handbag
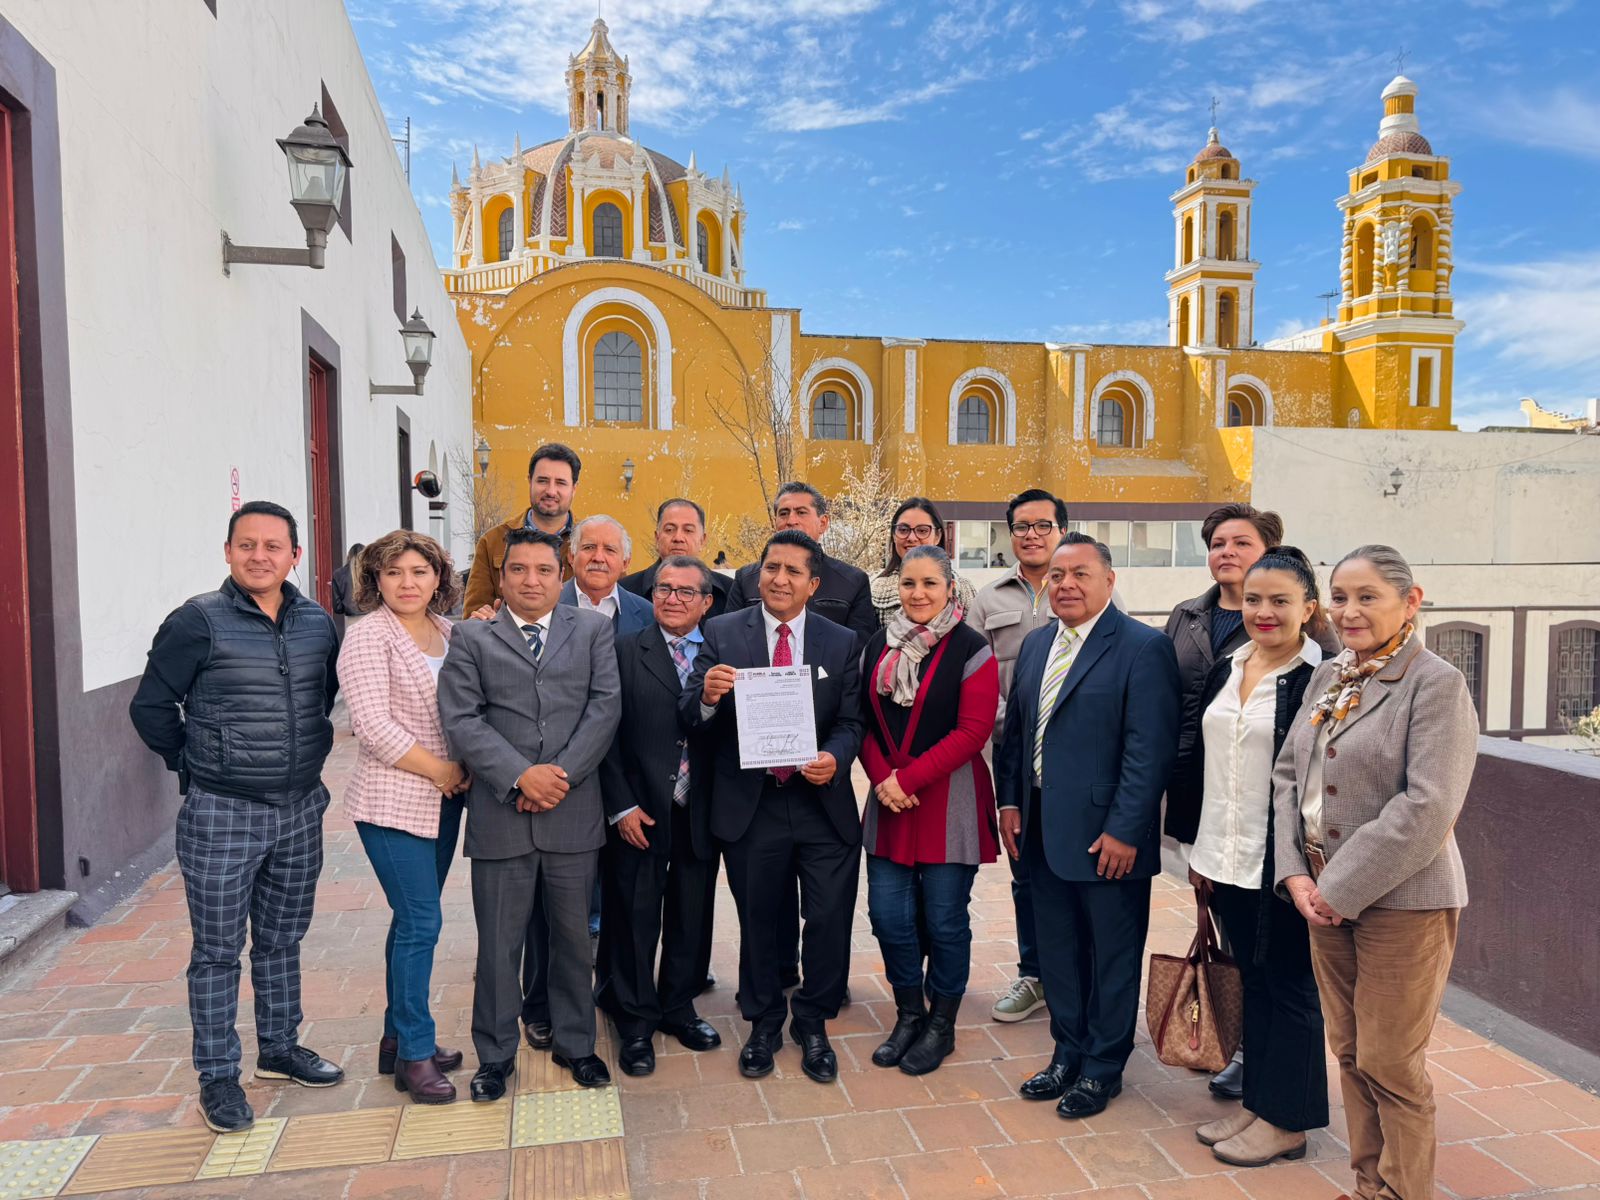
{"points": [[1195, 1004]]}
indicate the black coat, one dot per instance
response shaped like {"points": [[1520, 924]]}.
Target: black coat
{"points": [[642, 583], [238, 703], [641, 768], [1187, 787], [844, 596]]}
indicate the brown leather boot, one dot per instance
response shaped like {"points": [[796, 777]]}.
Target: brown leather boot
{"points": [[389, 1050], [424, 1081]]}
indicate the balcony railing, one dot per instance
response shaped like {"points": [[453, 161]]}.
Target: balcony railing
{"points": [[503, 276]]}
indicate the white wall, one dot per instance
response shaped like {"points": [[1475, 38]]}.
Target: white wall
{"points": [[1464, 498], [168, 119]]}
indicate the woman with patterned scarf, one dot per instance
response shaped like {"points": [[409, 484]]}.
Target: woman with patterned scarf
{"points": [[931, 687], [1370, 784]]}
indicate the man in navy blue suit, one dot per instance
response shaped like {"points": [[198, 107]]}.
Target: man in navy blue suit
{"points": [[1089, 740]]}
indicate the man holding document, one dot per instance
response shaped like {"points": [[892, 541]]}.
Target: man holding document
{"points": [[780, 690]]}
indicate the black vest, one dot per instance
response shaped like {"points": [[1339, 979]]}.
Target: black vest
{"points": [[255, 718]]}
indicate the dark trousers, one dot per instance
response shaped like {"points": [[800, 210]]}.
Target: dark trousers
{"points": [[1022, 904], [652, 898], [1090, 963], [536, 958], [246, 862], [412, 870], [922, 910], [1285, 1068], [790, 833]]}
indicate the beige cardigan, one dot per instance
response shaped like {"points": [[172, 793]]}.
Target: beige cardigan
{"points": [[1394, 780]]}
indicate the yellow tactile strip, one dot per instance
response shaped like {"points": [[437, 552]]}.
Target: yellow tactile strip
{"points": [[346, 1139], [29, 1170], [427, 1131], [235, 1154], [547, 1118], [130, 1160], [572, 1171]]}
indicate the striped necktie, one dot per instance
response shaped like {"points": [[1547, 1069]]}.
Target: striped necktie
{"points": [[535, 636], [680, 784], [1061, 656]]}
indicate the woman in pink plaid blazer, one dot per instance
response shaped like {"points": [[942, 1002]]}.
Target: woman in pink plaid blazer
{"points": [[405, 794]]}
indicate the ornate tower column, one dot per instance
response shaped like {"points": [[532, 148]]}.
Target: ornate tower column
{"points": [[1211, 287]]}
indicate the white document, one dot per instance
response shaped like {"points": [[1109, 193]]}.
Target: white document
{"points": [[777, 721]]}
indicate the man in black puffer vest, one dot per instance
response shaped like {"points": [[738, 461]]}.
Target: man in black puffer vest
{"points": [[235, 698]]}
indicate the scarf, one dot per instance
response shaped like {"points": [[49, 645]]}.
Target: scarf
{"points": [[899, 671], [1344, 693]]}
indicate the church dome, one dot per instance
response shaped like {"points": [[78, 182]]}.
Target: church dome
{"points": [[1405, 142], [1213, 148]]}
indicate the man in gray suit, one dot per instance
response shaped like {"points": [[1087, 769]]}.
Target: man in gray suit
{"points": [[530, 701]]}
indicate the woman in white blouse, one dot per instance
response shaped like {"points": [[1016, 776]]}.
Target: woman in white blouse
{"points": [[1247, 707]]}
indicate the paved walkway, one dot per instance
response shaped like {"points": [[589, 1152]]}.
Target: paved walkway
{"points": [[97, 1092]]}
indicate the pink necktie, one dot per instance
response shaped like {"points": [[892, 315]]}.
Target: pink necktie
{"points": [[783, 656]]}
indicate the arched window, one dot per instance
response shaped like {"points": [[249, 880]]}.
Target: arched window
{"points": [[974, 422], [507, 234], [607, 231], [1225, 320], [702, 248], [600, 107], [1225, 236], [1111, 427], [1183, 320], [1422, 244], [618, 379], [1362, 284], [1574, 676], [1462, 646], [1188, 239], [830, 417]]}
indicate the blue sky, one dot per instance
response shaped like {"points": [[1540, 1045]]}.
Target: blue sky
{"points": [[1001, 170]]}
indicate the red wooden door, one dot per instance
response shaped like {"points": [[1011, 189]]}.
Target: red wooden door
{"points": [[19, 815], [320, 449]]}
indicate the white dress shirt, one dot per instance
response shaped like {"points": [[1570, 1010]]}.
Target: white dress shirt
{"points": [[607, 607], [797, 635], [1231, 844], [1082, 633], [543, 623]]}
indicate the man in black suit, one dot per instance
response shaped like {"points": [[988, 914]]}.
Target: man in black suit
{"points": [[656, 781], [1090, 735], [680, 530], [844, 596], [774, 822]]}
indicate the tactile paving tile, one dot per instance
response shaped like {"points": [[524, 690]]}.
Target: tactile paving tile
{"points": [[32, 1169], [347, 1139], [544, 1118], [244, 1153], [427, 1130], [572, 1171], [131, 1160], [537, 1070]]}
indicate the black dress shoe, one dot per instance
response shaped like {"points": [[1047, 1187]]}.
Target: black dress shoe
{"points": [[224, 1107], [389, 1049], [299, 1065], [1051, 1083], [588, 1071], [541, 1035], [637, 1056], [694, 1034], [1087, 1097], [755, 1060], [489, 1083], [709, 983], [1228, 1083], [817, 1058]]}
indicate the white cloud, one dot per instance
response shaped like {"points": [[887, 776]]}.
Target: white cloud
{"points": [[1561, 120], [1144, 331], [1545, 314], [791, 225]]}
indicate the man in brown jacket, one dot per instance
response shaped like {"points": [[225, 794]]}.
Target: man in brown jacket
{"points": [[552, 482]]}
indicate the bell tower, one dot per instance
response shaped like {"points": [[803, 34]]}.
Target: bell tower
{"points": [[1211, 287], [1396, 330], [597, 86]]}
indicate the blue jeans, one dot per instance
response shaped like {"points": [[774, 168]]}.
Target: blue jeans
{"points": [[411, 871], [938, 893]]}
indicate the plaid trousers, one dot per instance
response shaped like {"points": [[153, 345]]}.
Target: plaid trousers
{"points": [[246, 860]]}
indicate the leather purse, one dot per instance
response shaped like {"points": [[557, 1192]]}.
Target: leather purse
{"points": [[1194, 1005]]}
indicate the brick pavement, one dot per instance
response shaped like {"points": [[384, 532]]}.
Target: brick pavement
{"points": [[94, 1045]]}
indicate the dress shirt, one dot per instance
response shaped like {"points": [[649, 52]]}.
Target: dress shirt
{"points": [[1083, 631], [435, 665], [1311, 794], [607, 607], [1231, 844], [692, 641], [544, 641]]}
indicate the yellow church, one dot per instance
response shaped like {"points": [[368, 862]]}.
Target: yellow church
{"points": [[601, 286]]}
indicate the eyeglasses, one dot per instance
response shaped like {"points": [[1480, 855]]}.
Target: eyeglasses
{"points": [[685, 594], [1042, 528], [921, 531]]}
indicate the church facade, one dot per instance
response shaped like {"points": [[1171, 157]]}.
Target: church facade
{"points": [[602, 289]]}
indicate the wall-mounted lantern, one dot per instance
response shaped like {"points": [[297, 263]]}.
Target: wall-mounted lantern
{"points": [[627, 476], [418, 341], [318, 166], [1396, 478]]}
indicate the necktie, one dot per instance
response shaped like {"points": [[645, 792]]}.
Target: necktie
{"points": [[680, 786], [1054, 673], [783, 656], [535, 637]]}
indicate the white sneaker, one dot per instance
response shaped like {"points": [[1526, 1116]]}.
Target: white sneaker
{"points": [[1024, 998]]}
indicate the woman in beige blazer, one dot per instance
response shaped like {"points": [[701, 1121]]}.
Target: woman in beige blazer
{"points": [[1370, 783]]}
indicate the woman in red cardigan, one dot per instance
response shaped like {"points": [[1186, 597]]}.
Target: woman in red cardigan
{"points": [[930, 694]]}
